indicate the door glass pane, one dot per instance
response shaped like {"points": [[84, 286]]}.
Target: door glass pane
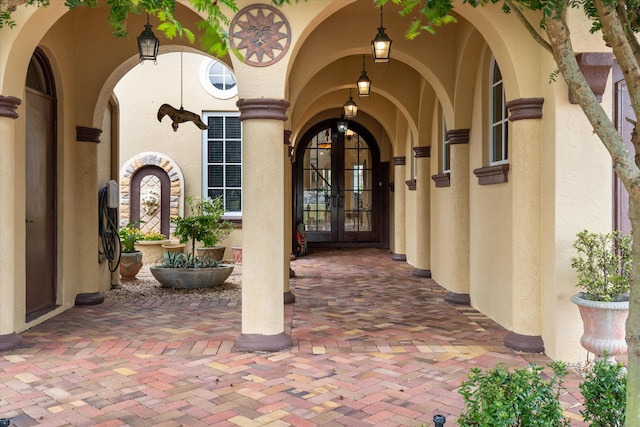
{"points": [[357, 184], [316, 179]]}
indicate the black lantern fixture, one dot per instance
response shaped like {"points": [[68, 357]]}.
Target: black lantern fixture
{"points": [[148, 44], [343, 124], [350, 108], [364, 83], [381, 44]]}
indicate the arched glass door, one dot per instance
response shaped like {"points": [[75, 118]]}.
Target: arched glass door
{"points": [[337, 186]]}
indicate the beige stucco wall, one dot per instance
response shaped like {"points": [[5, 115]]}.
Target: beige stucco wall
{"points": [[141, 132]]}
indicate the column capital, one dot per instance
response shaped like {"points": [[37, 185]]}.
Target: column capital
{"points": [[595, 66], [423, 151], [263, 108], [86, 134], [458, 136], [399, 161], [8, 106], [525, 108]]}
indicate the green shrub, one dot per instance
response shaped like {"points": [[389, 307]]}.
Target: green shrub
{"points": [[604, 390], [522, 398], [603, 264]]}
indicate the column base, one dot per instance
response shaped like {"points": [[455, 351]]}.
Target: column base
{"points": [[289, 297], [93, 298], [259, 342], [10, 341], [460, 299], [419, 272], [399, 257], [524, 343]]}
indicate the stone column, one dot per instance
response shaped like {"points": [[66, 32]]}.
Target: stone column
{"points": [[459, 183], [265, 251], [8, 337], [525, 334], [423, 211], [400, 219], [289, 297]]}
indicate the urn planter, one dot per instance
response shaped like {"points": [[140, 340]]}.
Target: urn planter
{"points": [[604, 326], [215, 253], [130, 264], [192, 278]]}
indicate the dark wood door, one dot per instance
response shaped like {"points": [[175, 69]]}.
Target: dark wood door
{"points": [[622, 112], [40, 203], [339, 193]]}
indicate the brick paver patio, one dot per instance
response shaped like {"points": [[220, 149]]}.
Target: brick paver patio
{"points": [[373, 346]]}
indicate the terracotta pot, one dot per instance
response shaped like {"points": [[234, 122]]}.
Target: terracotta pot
{"points": [[604, 326], [130, 264], [151, 250], [192, 278], [173, 248], [215, 253], [237, 254]]}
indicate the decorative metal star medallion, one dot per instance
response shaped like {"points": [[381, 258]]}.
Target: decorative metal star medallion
{"points": [[262, 32]]}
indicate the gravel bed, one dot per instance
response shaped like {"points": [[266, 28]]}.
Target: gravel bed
{"points": [[146, 286]]}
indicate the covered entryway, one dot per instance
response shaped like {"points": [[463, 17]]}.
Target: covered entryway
{"points": [[338, 186], [40, 181]]}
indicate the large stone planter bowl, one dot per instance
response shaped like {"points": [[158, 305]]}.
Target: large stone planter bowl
{"points": [[604, 326], [192, 278]]}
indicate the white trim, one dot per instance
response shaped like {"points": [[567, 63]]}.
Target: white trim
{"points": [[206, 84], [205, 160], [503, 120]]}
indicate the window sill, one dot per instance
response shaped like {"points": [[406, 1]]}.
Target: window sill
{"points": [[235, 220], [442, 179], [492, 174]]}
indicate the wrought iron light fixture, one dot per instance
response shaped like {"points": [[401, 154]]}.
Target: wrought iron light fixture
{"points": [[381, 44], [148, 44], [364, 83], [350, 108]]}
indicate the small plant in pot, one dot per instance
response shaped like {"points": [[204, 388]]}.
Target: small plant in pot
{"points": [[130, 257], [204, 224], [189, 271], [603, 266]]}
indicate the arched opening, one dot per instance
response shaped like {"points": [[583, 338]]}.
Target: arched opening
{"points": [[339, 187]]}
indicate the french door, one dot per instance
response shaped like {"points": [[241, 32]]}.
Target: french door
{"points": [[338, 187]]}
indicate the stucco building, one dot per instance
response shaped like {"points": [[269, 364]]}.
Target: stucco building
{"points": [[465, 160]]}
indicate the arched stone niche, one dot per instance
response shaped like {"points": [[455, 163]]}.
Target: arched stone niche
{"points": [[151, 190]]}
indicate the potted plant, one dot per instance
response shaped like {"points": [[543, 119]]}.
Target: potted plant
{"points": [[130, 257], [603, 264], [151, 245], [186, 271], [204, 224]]}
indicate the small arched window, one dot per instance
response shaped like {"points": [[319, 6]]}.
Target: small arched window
{"points": [[498, 150]]}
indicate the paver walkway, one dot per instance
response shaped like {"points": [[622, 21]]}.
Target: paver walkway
{"points": [[373, 346]]}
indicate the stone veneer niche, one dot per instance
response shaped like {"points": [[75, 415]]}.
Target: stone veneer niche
{"points": [[150, 216]]}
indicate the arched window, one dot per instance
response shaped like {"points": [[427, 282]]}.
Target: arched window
{"points": [[498, 148]]}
